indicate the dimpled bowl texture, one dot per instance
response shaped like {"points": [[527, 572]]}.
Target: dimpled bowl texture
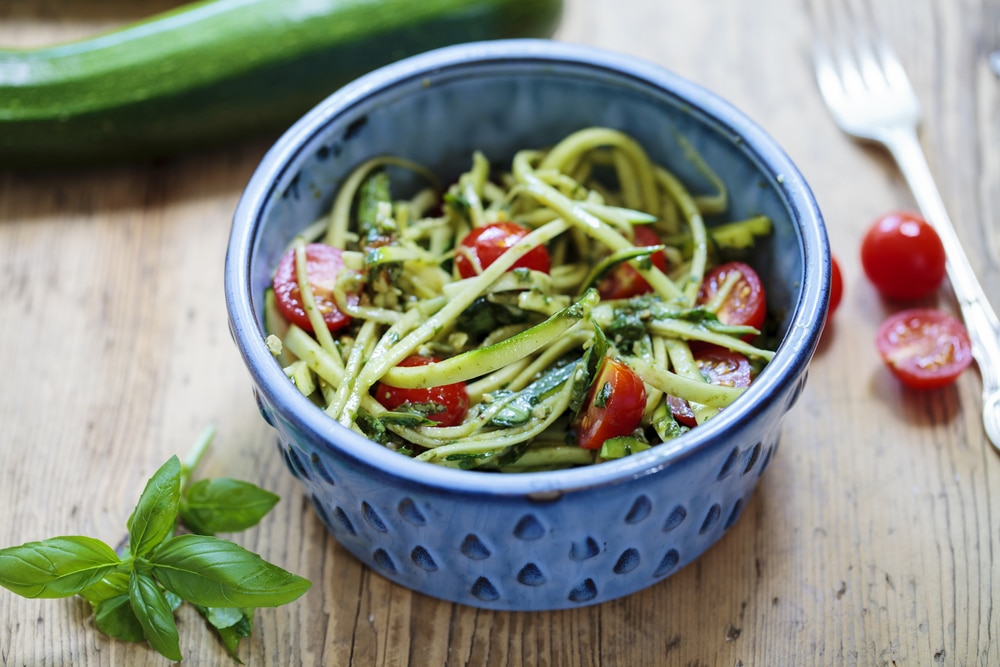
{"points": [[545, 540]]}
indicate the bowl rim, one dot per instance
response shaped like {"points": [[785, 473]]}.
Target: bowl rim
{"points": [[791, 359]]}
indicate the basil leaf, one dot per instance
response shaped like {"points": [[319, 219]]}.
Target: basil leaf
{"points": [[114, 617], [57, 567], [154, 614], [110, 586], [217, 573], [372, 427], [175, 601], [627, 326], [483, 316], [231, 634], [519, 409], [222, 617], [400, 417], [155, 516], [223, 505], [593, 358]]}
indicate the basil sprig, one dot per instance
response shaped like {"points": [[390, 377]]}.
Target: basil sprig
{"points": [[134, 594]]}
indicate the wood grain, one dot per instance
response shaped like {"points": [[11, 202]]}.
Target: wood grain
{"points": [[872, 540]]}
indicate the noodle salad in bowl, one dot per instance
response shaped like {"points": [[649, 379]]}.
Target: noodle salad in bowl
{"points": [[572, 309], [526, 318]]}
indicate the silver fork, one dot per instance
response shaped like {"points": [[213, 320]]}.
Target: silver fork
{"points": [[870, 97]]}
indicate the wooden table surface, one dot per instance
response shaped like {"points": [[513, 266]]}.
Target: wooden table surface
{"points": [[874, 538]]}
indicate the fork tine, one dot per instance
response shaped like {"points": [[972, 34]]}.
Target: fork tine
{"points": [[838, 47], [851, 56], [827, 75], [836, 72], [892, 68], [867, 40], [846, 58], [883, 66]]}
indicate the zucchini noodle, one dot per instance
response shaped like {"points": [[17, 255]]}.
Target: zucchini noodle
{"points": [[525, 345]]}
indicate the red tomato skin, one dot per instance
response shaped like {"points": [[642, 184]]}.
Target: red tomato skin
{"points": [[488, 242], [323, 262], [624, 282], [720, 366], [747, 302], [903, 256], [624, 402], [453, 397], [836, 288], [924, 348], [682, 412]]}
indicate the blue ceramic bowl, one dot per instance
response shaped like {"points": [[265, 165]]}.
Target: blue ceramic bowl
{"points": [[542, 540]]}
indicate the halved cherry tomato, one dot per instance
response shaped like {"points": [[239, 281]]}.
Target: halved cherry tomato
{"points": [[681, 410], [446, 404], [836, 287], [485, 244], [746, 303], [323, 263], [903, 256], [614, 405], [624, 281], [720, 366], [923, 347]]}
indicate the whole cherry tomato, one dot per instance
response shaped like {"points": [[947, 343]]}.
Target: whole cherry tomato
{"points": [[485, 244], [720, 366], [836, 287], [614, 406], [446, 404], [624, 281], [747, 301], [923, 347], [903, 256], [323, 263]]}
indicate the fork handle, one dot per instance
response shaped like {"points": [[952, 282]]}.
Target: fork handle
{"points": [[980, 319]]}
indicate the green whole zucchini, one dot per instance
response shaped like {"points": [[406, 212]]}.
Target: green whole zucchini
{"points": [[218, 70]]}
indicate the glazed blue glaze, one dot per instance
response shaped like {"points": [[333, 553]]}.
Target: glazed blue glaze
{"points": [[543, 540]]}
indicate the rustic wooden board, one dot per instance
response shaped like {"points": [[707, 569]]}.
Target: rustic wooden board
{"points": [[873, 538]]}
